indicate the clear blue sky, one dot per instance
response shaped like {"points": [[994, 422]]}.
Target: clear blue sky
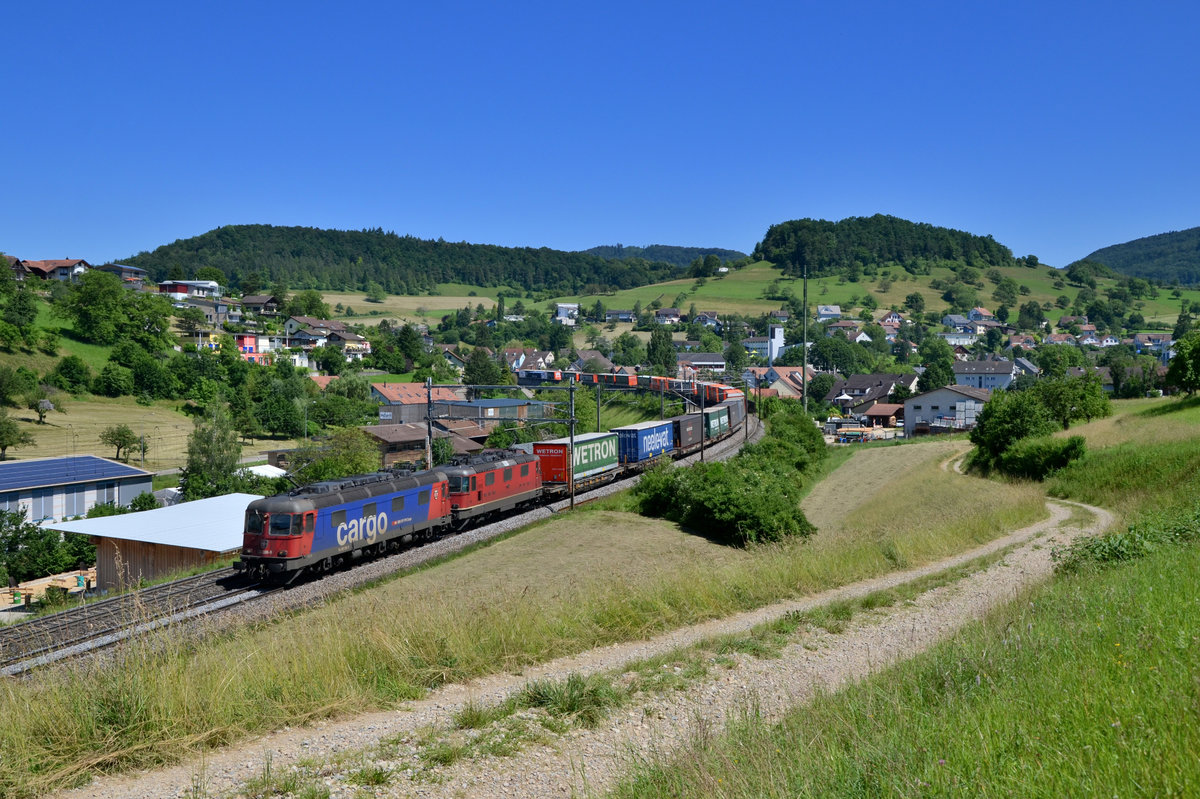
{"points": [[1058, 128]]}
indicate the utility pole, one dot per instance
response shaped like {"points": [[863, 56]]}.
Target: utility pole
{"points": [[804, 343], [571, 450], [599, 388], [703, 424], [429, 423]]}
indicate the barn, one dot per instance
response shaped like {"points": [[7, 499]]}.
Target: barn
{"points": [[153, 543]]}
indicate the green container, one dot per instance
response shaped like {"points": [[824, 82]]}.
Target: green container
{"points": [[595, 453], [716, 422]]}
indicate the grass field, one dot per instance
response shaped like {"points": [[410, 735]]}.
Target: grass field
{"points": [[744, 291], [77, 432], [424, 309], [574, 582], [1083, 687]]}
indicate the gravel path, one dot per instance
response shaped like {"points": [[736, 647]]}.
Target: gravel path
{"points": [[583, 762]]}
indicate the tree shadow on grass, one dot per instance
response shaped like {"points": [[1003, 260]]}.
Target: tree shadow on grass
{"points": [[1168, 408]]}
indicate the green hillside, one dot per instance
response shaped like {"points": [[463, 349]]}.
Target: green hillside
{"points": [[677, 256], [851, 245], [255, 257], [1173, 258], [749, 290]]}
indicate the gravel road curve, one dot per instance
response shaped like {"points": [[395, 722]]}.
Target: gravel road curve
{"points": [[587, 761]]}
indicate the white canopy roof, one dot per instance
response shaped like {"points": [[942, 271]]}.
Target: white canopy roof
{"points": [[214, 525]]}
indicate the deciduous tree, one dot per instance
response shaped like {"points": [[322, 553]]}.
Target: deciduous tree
{"points": [[11, 435], [120, 437]]}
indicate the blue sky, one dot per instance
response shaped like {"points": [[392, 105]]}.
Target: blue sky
{"points": [[1057, 128]]}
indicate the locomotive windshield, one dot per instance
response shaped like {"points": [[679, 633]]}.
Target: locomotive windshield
{"points": [[254, 522], [285, 523], [457, 483]]}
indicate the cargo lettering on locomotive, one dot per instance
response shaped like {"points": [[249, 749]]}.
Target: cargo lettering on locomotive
{"points": [[364, 529]]}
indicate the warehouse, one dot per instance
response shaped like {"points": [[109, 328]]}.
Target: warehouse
{"points": [[49, 489], [143, 546]]}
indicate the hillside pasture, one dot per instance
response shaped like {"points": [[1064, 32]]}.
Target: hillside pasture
{"points": [[423, 308], [77, 432], [744, 291]]}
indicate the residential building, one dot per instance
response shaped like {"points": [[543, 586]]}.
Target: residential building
{"points": [[67, 269], [591, 358], [829, 313], [783, 381], [958, 338], [980, 315], [857, 393], [619, 316], [132, 275], [944, 410], [216, 311], [1152, 343], [709, 319], [1022, 340], [260, 304], [989, 374], [180, 290], [566, 313], [528, 358], [958, 322], [667, 316], [845, 327], [352, 345]]}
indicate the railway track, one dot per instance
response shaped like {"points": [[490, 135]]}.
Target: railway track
{"points": [[96, 625]]}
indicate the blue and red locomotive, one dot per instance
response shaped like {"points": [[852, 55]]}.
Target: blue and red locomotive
{"points": [[329, 524]]}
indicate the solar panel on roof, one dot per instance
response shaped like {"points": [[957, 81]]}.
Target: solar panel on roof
{"points": [[16, 475]]}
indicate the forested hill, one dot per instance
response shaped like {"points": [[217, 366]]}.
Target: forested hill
{"points": [[1170, 257], [664, 253], [349, 260], [858, 241]]}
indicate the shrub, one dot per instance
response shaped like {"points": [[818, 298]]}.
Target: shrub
{"points": [[1139, 540], [1035, 458]]}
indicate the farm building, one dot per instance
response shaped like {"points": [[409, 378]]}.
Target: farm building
{"points": [[944, 410], [153, 543], [49, 489]]}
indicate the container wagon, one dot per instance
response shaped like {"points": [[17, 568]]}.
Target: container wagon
{"points": [[638, 443], [594, 461]]}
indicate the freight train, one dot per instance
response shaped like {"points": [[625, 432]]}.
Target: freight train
{"points": [[326, 525]]}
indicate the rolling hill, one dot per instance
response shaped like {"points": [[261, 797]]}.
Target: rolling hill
{"points": [[1173, 258]]}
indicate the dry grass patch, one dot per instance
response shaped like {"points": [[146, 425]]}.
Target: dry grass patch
{"points": [[77, 432], [868, 474]]}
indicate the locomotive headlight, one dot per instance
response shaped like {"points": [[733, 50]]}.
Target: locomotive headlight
{"points": [[282, 553]]}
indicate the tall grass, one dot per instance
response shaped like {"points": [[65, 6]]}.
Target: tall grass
{"points": [[1084, 688], [165, 696]]}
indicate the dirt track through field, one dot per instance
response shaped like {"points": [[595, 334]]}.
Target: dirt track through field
{"points": [[586, 762]]}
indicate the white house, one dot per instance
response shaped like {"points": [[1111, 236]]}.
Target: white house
{"points": [[959, 339], [829, 313], [944, 410], [566, 313]]}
